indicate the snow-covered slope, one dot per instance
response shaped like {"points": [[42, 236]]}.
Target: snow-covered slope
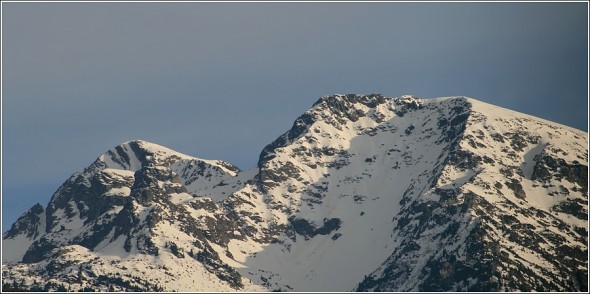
{"points": [[509, 211], [362, 193]]}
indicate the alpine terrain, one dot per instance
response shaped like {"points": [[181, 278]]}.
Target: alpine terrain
{"points": [[363, 193]]}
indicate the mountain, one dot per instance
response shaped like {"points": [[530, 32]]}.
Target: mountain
{"points": [[363, 193]]}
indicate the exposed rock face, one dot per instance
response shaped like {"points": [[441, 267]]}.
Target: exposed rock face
{"points": [[363, 193], [28, 223]]}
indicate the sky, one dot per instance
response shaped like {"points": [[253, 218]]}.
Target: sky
{"points": [[223, 80]]}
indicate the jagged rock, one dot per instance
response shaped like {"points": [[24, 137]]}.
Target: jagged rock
{"points": [[28, 223]]}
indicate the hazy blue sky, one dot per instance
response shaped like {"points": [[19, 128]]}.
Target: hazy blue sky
{"points": [[222, 80]]}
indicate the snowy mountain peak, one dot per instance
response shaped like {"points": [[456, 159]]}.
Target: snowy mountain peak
{"points": [[336, 110], [133, 155], [444, 194], [339, 100]]}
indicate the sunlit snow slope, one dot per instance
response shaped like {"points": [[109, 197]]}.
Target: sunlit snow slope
{"points": [[363, 193]]}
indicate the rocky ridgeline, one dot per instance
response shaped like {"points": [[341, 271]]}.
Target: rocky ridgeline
{"points": [[407, 194]]}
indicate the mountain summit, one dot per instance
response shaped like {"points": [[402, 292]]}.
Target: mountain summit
{"points": [[363, 193]]}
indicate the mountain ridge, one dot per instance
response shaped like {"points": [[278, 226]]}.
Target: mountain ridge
{"points": [[433, 188]]}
